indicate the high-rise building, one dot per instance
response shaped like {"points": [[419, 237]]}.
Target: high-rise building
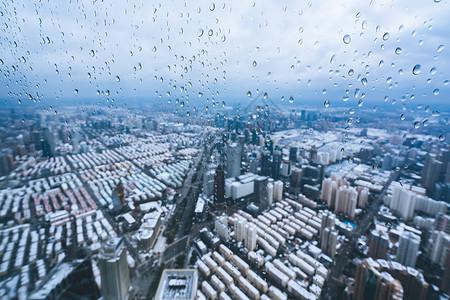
{"points": [[363, 196], [329, 241], [296, 178], [439, 246], [239, 229], [219, 187], [253, 165], [442, 223], [276, 164], [278, 191], [114, 272], [408, 249], [345, 203], [260, 192], [250, 236], [378, 245], [372, 284], [269, 193], [328, 234], [431, 172], [285, 168], [233, 154], [293, 154], [48, 143], [265, 163]]}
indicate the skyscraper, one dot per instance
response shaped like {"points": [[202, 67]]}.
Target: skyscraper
{"points": [[278, 191], [407, 249], [233, 153], [265, 163], [293, 154], [431, 172], [219, 187], [296, 178], [113, 265], [48, 143], [372, 284], [276, 163], [260, 192], [378, 245]]}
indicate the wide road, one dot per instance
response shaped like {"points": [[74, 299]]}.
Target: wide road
{"points": [[175, 248], [191, 196], [346, 252]]}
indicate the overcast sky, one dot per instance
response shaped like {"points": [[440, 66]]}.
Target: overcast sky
{"points": [[209, 52]]}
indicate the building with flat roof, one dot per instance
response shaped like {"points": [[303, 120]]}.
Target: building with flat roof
{"points": [[177, 285], [113, 265]]}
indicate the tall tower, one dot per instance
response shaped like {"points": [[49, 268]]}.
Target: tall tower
{"points": [[219, 187], [265, 163], [113, 265], [276, 163], [233, 154]]}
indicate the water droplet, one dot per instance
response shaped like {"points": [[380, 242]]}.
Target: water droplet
{"points": [[200, 94], [107, 92], [154, 49], [386, 36], [76, 91], [326, 103], [351, 111], [200, 32], [182, 103], [351, 72], [223, 39], [92, 53], [381, 63], [364, 81], [416, 70], [435, 113], [347, 39], [442, 137], [333, 59], [223, 104], [345, 98], [425, 123], [249, 94], [188, 113], [291, 99], [436, 92], [117, 78], [440, 48], [360, 102], [398, 50], [364, 24], [254, 63], [416, 125], [433, 71], [212, 6], [210, 32]]}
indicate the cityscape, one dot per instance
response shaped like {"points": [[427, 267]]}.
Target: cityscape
{"points": [[234, 150], [276, 204]]}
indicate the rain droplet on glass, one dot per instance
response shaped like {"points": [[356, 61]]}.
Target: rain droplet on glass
{"points": [[347, 39]]}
